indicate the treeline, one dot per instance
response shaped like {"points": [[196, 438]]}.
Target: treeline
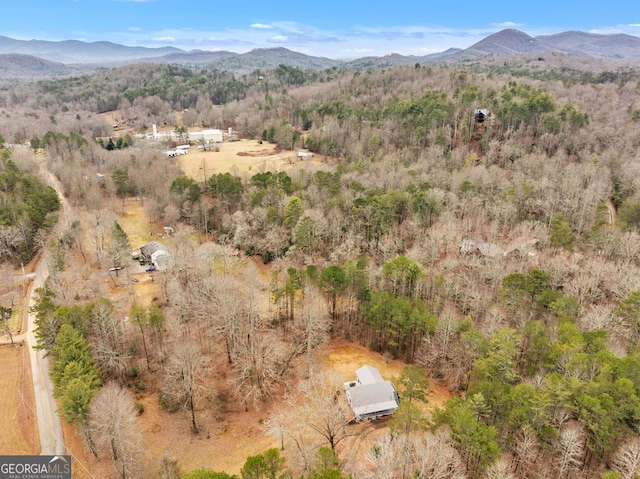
{"points": [[178, 87], [272, 465], [569, 74], [27, 211], [93, 372]]}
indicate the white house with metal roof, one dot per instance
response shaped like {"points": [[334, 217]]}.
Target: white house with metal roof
{"points": [[371, 396]]}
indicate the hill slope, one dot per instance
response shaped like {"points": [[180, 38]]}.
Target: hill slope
{"points": [[26, 66], [505, 42], [593, 45], [74, 51]]}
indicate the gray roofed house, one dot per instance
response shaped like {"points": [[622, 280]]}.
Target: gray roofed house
{"points": [[157, 254], [150, 248], [371, 396], [480, 247]]}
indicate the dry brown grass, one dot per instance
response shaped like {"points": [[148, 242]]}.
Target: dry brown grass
{"points": [[238, 157], [135, 224], [17, 406], [344, 358]]}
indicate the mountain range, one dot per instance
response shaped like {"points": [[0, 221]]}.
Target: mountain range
{"points": [[39, 58]]}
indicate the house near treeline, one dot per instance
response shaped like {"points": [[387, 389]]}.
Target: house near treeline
{"points": [[481, 114], [481, 248], [156, 254], [371, 397]]}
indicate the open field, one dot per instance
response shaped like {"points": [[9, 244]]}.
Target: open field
{"points": [[20, 428], [239, 157]]}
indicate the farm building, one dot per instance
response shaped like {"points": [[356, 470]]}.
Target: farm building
{"points": [[208, 137], [371, 397], [156, 254]]}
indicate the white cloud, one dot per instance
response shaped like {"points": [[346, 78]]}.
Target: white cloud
{"points": [[629, 29], [346, 43], [164, 39], [507, 25]]}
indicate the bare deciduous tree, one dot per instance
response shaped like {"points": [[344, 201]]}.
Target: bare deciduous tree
{"points": [[107, 340], [322, 410], [570, 447], [428, 456], [501, 469], [312, 324], [436, 458], [185, 376], [112, 422], [388, 459], [626, 460]]}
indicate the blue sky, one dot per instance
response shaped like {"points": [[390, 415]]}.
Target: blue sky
{"points": [[335, 29]]}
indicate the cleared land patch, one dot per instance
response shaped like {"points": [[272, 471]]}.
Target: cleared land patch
{"points": [[238, 157]]}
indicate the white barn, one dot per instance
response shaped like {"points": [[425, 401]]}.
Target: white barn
{"points": [[212, 136]]}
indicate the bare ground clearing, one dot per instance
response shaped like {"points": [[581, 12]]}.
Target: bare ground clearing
{"points": [[239, 157], [228, 438]]}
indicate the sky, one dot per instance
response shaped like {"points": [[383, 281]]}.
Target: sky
{"points": [[335, 29]]}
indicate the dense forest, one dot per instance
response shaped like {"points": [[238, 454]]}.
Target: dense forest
{"points": [[501, 257], [27, 210]]}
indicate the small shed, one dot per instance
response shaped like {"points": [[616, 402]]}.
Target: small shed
{"points": [[371, 397]]}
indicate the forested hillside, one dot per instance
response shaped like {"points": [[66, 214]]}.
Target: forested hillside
{"points": [[500, 256], [27, 210]]}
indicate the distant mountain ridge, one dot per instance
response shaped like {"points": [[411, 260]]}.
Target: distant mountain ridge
{"points": [[26, 66], [504, 43], [75, 51], [579, 43], [71, 56]]}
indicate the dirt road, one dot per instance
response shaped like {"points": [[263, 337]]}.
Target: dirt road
{"points": [[49, 428]]}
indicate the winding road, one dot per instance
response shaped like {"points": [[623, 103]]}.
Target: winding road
{"points": [[49, 427]]}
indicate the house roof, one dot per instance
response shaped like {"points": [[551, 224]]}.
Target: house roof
{"points": [[368, 375], [371, 394], [372, 398], [152, 247], [481, 247], [162, 260]]}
